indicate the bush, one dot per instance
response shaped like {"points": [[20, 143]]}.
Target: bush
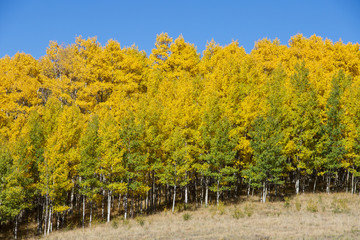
{"points": [[287, 202], [140, 221], [297, 204], [339, 206], [221, 208], [312, 206], [238, 214], [186, 216], [115, 223], [249, 210]]}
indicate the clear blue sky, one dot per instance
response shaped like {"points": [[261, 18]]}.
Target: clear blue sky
{"points": [[28, 26]]}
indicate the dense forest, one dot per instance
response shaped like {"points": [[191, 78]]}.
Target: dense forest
{"points": [[89, 130]]}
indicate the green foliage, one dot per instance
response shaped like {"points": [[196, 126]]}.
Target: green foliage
{"points": [[186, 216]]}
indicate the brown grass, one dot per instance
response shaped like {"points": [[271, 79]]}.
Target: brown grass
{"points": [[307, 216]]}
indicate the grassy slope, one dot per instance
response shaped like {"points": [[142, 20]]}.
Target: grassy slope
{"points": [[307, 216]]}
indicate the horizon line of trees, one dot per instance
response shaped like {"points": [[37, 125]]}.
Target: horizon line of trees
{"points": [[89, 130]]}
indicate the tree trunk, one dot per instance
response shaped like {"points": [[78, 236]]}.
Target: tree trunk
{"points": [[186, 195], [328, 179], [206, 191], [297, 182], [316, 177], [249, 188], [347, 180], [352, 183], [103, 205], [126, 203], [38, 218], [46, 214], [83, 212], [90, 219], [264, 193], [174, 197], [109, 206], [16, 227], [49, 223], [217, 193]]}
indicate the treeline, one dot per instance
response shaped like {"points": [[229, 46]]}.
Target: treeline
{"points": [[88, 130]]}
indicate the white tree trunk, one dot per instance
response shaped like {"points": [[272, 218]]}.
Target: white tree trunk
{"points": [[174, 197], [186, 195], [297, 185], [126, 204], [90, 219], [264, 194], [49, 224], [217, 193], [83, 215], [16, 227], [46, 214], [109, 206], [206, 191]]}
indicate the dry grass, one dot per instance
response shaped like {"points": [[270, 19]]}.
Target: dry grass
{"points": [[307, 216]]}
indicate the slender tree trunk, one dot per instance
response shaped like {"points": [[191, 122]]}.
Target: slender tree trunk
{"points": [[119, 203], [316, 177], [328, 183], [126, 203], [174, 197], [217, 193], [186, 195], [352, 183], [297, 182], [57, 221], [147, 201], [90, 219], [195, 191], [264, 194], [16, 227], [49, 223], [83, 212], [38, 218], [249, 188], [72, 199], [202, 190], [206, 191], [103, 205], [46, 214], [109, 206], [159, 195], [347, 180]]}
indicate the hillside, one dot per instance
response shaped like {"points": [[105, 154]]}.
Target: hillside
{"points": [[307, 216]]}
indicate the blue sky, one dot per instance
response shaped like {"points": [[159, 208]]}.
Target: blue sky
{"points": [[28, 26]]}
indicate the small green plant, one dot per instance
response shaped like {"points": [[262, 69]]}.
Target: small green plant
{"points": [[115, 223], [249, 211], [339, 206], [238, 214], [297, 204], [126, 222], [312, 206], [287, 202], [140, 221], [186, 216], [221, 208]]}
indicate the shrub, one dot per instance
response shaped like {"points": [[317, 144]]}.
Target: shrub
{"points": [[339, 206], [312, 206], [287, 202], [297, 204], [238, 214], [140, 221], [221, 208], [186, 216], [115, 223], [249, 210]]}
